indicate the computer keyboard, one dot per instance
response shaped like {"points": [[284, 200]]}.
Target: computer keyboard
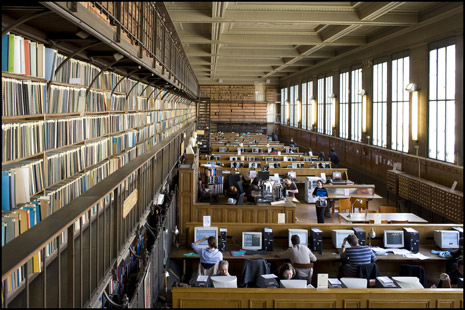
{"points": [[254, 252]]}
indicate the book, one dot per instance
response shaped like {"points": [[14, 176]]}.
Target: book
{"points": [[5, 41], [50, 62], [6, 191], [17, 55], [40, 60], [22, 60], [27, 57], [22, 187], [33, 52]]}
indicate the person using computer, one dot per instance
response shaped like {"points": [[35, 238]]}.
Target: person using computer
{"points": [[334, 158], [208, 256], [292, 143], [286, 272], [322, 157], [275, 137], [290, 187], [223, 268], [354, 256], [274, 151], [321, 194], [254, 186], [301, 255], [204, 191]]}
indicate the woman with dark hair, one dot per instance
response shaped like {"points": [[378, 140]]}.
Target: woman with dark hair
{"points": [[322, 157], [321, 203], [301, 257], [286, 271]]}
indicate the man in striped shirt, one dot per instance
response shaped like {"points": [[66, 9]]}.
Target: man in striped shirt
{"points": [[356, 255]]}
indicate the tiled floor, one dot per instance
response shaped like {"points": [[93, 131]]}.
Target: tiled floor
{"points": [[306, 213]]}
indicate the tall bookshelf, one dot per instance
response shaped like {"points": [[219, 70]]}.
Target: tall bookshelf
{"points": [[63, 135]]}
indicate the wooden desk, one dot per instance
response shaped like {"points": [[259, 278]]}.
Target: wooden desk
{"points": [[365, 218], [200, 297]]}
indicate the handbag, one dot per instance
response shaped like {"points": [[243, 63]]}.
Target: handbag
{"points": [[321, 203]]}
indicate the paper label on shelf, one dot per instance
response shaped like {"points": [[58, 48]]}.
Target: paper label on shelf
{"points": [[75, 81], [206, 221], [281, 218], [322, 281]]}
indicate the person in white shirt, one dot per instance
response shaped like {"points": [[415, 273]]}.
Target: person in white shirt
{"points": [[299, 254]]}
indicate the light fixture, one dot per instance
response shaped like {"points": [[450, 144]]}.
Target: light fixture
{"points": [[288, 108], [268, 81], [413, 88], [314, 102], [299, 110], [363, 93], [117, 56]]}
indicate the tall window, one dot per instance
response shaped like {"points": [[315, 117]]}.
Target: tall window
{"points": [[380, 104], [321, 104], [329, 109], [284, 106], [304, 105], [310, 108], [400, 104], [296, 106], [441, 129], [356, 105], [344, 105], [292, 106]]}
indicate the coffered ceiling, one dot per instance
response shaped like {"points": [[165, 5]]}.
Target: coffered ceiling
{"points": [[249, 42]]}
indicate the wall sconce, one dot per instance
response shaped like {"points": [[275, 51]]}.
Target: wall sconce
{"points": [[314, 109], [288, 112], [363, 93], [413, 88]]}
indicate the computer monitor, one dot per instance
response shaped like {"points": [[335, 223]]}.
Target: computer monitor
{"points": [[251, 165], [222, 150], [271, 165], [294, 283], [251, 240], [295, 165], [255, 150], [407, 282], [292, 175], [264, 175], [354, 282], [393, 238], [337, 175], [233, 165], [447, 239], [302, 233], [269, 158], [339, 235], [200, 232], [232, 158], [224, 281]]}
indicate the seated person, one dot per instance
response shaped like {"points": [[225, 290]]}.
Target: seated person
{"points": [[254, 186], [290, 187], [292, 143], [322, 157], [309, 151], [286, 272], [356, 255], [209, 256], [204, 191], [223, 270], [454, 267], [299, 254], [274, 151], [232, 192]]}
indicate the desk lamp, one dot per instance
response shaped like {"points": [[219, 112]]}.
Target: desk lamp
{"points": [[371, 234], [352, 206]]}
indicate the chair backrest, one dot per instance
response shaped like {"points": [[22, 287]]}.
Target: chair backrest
{"points": [[233, 179], [344, 204], [368, 271], [373, 221], [399, 222], [252, 269], [207, 272], [387, 209], [240, 187], [240, 200]]}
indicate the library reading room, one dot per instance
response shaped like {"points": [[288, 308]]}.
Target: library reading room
{"points": [[232, 154]]}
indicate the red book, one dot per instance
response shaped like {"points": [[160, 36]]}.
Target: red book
{"points": [[27, 57]]}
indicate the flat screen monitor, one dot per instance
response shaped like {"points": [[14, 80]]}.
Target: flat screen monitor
{"points": [[233, 165], [200, 232], [447, 239], [339, 235], [224, 281], [292, 175], [302, 233], [408, 282], [337, 175], [251, 240], [287, 150], [294, 283], [264, 175], [393, 238], [250, 158], [295, 165], [354, 282], [222, 150]]}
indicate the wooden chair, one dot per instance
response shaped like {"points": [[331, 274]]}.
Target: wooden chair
{"points": [[399, 222], [344, 204], [360, 206], [373, 221], [387, 209]]}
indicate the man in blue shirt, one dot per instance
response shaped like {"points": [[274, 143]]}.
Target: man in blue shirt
{"points": [[334, 158], [356, 255], [209, 256]]}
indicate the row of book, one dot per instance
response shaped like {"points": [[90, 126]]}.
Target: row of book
{"points": [[22, 140], [64, 99], [25, 57], [64, 163], [96, 102], [76, 72], [216, 189], [214, 179], [22, 97]]}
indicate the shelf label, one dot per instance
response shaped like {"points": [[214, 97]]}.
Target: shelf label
{"points": [[129, 203]]}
